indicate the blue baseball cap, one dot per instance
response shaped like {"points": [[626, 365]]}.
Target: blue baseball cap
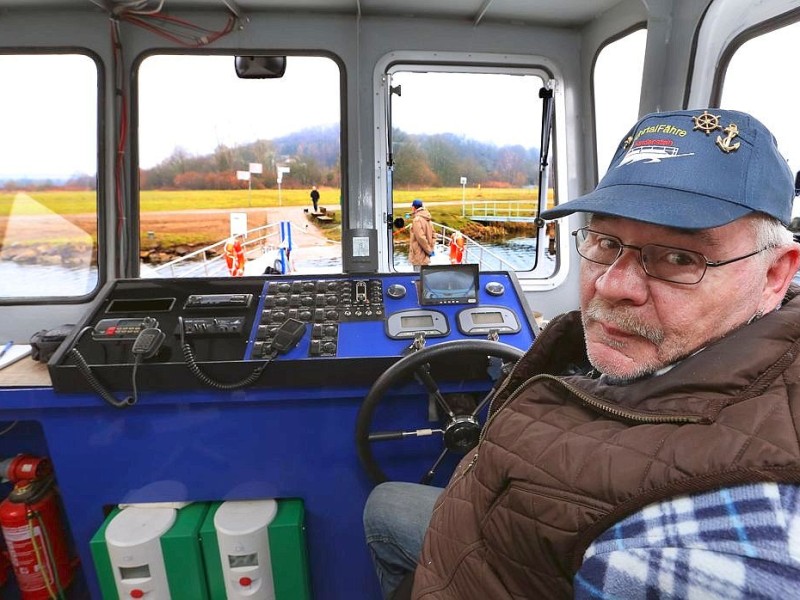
{"points": [[692, 169], [417, 203]]}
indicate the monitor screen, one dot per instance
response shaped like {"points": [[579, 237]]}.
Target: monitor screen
{"points": [[448, 284]]}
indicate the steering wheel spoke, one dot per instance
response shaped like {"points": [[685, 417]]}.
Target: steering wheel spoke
{"points": [[423, 375], [428, 477], [389, 436], [460, 428]]}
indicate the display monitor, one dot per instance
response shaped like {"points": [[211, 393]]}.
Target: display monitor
{"points": [[448, 284]]}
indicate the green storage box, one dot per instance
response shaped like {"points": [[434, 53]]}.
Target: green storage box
{"points": [[180, 547], [287, 549]]}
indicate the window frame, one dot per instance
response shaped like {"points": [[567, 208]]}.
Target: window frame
{"points": [[133, 263], [102, 211], [459, 62]]}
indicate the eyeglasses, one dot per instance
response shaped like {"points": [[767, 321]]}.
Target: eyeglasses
{"points": [[666, 263]]}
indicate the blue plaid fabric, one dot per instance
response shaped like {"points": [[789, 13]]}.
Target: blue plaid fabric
{"points": [[739, 542]]}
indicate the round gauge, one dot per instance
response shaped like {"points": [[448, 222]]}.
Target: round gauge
{"points": [[396, 291], [495, 288]]}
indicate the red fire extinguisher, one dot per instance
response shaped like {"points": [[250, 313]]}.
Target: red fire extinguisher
{"points": [[31, 525]]}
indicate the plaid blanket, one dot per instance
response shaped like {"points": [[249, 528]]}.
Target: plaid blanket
{"points": [[739, 542]]}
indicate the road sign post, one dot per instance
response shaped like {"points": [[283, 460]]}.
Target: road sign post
{"points": [[245, 176], [463, 196], [281, 171]]}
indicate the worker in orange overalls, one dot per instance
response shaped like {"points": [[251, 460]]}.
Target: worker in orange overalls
{"points": [[234, 256], [457, 244]]}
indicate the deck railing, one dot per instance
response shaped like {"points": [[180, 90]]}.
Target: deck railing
{"points": [[474, 252], [502, 209], [210, 261]]}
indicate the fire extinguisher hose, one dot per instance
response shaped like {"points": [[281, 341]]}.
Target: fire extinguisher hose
{"points": [[56, 593]]}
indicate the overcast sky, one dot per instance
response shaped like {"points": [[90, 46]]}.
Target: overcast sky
{"points": [[48, 116]]}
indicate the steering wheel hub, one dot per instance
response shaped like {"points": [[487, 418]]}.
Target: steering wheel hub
{"points": [[462, 433]]}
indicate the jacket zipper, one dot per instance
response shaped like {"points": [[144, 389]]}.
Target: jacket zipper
{"points": [[601, 406]]}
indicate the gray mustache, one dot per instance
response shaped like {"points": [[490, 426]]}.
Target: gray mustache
{"points": [[622, 319]]}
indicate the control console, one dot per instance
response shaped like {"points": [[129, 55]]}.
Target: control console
{"points": [[345, 329]]}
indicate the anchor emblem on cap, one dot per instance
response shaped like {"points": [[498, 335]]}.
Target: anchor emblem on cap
{"points": [[706, 122], [727, 144]]}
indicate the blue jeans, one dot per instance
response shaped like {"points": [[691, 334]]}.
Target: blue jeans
{"points": [[396, 516]]}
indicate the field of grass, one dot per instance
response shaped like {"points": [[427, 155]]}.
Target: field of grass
{"points": [[76, 202], [445, 205], [72, 202]]}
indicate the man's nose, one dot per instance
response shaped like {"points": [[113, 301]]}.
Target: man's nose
{"points": [[625, 277]]}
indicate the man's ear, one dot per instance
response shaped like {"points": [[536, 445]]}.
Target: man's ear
{"points": [[780, 274]]}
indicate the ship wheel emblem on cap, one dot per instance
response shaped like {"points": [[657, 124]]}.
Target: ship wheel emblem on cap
{"points": [[706, 122], [727, 144]]}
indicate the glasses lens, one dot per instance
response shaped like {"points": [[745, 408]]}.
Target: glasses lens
{"points": [[673, 264], [598, 247], [662, 262]]}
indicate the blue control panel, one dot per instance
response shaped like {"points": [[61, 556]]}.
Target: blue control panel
{"points": [[227, 327]]}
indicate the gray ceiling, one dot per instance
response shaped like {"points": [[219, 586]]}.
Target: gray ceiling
{"points": [[554, 12]]}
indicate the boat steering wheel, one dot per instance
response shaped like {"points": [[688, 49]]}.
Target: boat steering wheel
{"points": [[460, 429]]}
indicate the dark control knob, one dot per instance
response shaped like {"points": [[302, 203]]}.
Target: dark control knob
{"points": [[495, 288], [329, 348], [396, 291], [332, 315], [330, 330], [284, 287]]}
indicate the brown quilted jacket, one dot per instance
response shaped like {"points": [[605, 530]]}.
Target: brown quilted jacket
{"points": [[421, 238], [563, 458]]}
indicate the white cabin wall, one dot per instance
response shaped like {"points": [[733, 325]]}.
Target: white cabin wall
{"points": [[670, 41], [724, 21]]}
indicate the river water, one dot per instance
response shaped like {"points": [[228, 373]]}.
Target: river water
{"points": [[17, 280]]}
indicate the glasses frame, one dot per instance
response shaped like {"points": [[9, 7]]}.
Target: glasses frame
{"points": [[622, 246]]}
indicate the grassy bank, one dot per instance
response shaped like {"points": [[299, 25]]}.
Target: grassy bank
{"points": [[445, 205]]}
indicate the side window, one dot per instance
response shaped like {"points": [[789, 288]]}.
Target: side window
{"points": [[239, 175], [760, 80], [616, 92], [467, 146], [48, 176]]}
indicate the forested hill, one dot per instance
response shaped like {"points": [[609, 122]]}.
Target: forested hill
{"points": [[312, 156]]}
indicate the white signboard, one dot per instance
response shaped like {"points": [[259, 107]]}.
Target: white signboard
{"points": [[360, 246], [238, 223], [256, 168], [463, 181], [281, 171], [243, 175]]}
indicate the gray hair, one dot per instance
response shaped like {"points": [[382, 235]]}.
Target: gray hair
{"points": [[770, 233]]}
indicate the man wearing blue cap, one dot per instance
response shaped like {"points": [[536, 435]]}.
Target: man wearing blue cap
{"points": [[648, 445], [421, 236]]}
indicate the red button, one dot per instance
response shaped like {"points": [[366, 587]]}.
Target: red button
{"points": [[137, 593], [245, 581]]}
